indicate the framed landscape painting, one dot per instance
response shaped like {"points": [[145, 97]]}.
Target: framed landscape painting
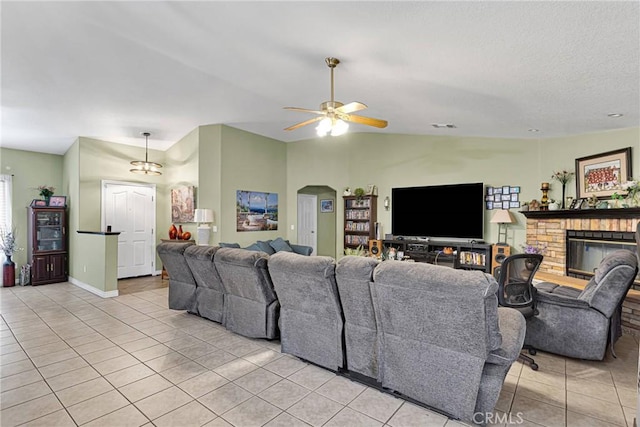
{"points": [[602, 174]]}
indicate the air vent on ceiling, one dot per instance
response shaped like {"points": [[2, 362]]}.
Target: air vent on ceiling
{"points": [[443, 125]]}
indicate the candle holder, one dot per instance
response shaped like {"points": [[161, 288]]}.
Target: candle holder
{"points": [[544, 201]]}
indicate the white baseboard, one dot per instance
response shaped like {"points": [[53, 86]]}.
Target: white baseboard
{"points": [[86, 287]]}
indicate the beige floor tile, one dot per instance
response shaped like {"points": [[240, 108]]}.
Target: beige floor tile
{"points": [[224, 398], [258, 380], [115, 364], [262, 356], [145, 387], [341, 390], [22, 394], [544, 376], [215, 359], [83, 391], [244, 349], [218, 422], [315, 409], [628, 397], [16, 356], [104, 354], [30, 410], [592, 388], [15, 368], [538, 412], [19, 380], [58, 356], [410, 415], [127, 337], [510, 383], [285, 366], [202, 384], [168, 361], [9, 348], [128, 416], [97, 407], [551, 362], [139, 344], [504, 401], [183, 372], [128, 375], [349, 417], [530, 389], [83, 340], [94, 346], [235, 369], [589, 370], [199, 350], [253, 412], [630, 416], [72, 378], [191, 414], [311, 377], [43, 345], [375, 404], [63, 367], [595, 408], [284, 394], [163, 402], [580, 420], [286, 420], [56, 419]]}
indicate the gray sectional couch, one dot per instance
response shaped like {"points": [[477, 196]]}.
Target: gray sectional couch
{"points": [[426, 333]]}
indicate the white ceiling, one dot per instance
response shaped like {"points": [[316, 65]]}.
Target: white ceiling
{"points": [[113, 69]]}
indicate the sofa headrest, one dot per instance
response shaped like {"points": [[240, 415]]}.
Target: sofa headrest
{"points": [[301, 264], [241, 257], [204, 253], [173, 248], [352, 267]]}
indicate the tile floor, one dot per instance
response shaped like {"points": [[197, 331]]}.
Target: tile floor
{"points": [[68, 357]]}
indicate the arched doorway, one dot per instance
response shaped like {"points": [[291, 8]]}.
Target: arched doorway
{"points": [[317, 210]]}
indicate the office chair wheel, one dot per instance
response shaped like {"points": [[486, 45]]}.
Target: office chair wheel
{"points": [[534, 366], [532, 351]]}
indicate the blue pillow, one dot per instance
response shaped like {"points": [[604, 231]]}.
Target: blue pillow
{"points": [[280, 244], [265, 247], [254, 247], [229, 245]]}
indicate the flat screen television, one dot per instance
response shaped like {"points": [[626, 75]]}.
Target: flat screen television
{"points": [[454, 211]]}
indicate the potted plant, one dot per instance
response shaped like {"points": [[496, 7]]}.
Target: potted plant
{"points": [[46, 192], [538, 248]]}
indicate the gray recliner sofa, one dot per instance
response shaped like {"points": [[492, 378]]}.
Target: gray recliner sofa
{"points": [[354, 275], [182, 285], [209, 288], [251, 307], [311, 320], [444, 340], [578, 323]]}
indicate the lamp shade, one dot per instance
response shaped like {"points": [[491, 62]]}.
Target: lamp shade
{"points": [[203, 215], [502, 216]]}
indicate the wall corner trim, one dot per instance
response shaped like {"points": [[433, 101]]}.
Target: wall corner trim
{"points": [[86, 287]]}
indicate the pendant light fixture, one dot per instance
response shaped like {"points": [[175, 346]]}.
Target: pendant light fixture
{"points": [[146, 167]]}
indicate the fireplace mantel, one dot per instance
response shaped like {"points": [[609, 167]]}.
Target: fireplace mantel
{"points": [[584, 213]]}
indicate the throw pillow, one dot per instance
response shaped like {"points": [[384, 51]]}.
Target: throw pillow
{"points": [[265, 247], [229, 245], [280, 244], [254, 247]]}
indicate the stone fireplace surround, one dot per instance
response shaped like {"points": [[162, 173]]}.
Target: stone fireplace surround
{"points": [[550, 227]]}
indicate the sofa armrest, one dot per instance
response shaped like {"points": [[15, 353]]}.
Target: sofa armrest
{"points": [[557, 299], [513, 328], [301, 249]]}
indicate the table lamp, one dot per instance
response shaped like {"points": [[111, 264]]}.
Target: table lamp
{"points": [[502, 216], [203, 217]]}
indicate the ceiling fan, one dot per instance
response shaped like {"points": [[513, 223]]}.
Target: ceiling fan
{"points": [[334, 115]]}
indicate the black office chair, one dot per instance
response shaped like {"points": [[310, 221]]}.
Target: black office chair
{"points": [[516, 290]]}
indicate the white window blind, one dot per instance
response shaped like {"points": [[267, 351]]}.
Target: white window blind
{"points": [[5, 205]]}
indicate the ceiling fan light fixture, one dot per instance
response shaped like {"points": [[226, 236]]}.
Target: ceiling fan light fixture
{"points": [[145, 167], [340, 127]]}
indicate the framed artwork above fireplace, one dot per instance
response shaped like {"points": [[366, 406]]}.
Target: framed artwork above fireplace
{"points": [[602, 174]]}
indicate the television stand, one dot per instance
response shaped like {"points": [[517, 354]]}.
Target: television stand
{"points": [[465, 255]]}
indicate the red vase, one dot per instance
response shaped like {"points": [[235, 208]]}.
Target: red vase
{"points": [[180, 232], [173, 232], [8, 273]]}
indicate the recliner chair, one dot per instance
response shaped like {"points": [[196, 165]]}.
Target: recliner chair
{"points": [[581, 324], [182, 285], [516, 290]]}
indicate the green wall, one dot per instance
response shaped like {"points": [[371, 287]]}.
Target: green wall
{"points": [[30, 170], [219, 160]]}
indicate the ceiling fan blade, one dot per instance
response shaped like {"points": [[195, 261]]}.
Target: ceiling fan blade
{"points": [[304, 110], [351, 107], [307, 122], [365, 120]]}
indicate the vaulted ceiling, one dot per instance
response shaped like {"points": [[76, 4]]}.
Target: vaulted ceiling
{"points": [[113, 69]]}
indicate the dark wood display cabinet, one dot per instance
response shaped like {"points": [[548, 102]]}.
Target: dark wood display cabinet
{"points": [[47, 244], [360, 216]]}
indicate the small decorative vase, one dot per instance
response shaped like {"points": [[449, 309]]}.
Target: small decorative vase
{"points": [[173, 232], [563, 198], [180, 232], [8, 272]]}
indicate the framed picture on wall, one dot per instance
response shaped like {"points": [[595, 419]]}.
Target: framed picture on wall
{"points": [[602, 174], [326, 205]]}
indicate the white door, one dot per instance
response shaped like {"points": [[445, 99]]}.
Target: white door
{"points": [[130, 209], [308, 221]]}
